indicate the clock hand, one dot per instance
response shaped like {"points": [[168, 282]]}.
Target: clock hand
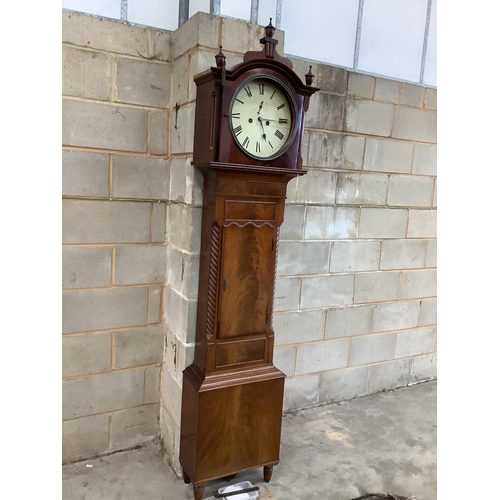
{"points": [[262, 125], [270, 120], [260, 107]]}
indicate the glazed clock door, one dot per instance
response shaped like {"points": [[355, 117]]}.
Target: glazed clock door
{"points": [[246, 292], [263, 118]]}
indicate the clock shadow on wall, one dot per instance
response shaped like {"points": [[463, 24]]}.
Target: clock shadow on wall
{"points": [[248, 132]]}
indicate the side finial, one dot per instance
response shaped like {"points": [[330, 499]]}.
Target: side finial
{"points": [[220, 58], [309, 76]]}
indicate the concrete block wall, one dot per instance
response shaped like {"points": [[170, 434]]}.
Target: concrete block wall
{"points": [[116, 187], [355, 306]]}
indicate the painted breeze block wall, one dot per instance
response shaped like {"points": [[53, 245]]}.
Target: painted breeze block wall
{"points": [[116, 98], [355, 305]]}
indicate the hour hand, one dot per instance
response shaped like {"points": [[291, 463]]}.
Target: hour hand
{"points": [[262, 125]]}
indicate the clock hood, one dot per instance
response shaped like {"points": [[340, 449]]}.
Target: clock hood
{"points": [[216, 137]]}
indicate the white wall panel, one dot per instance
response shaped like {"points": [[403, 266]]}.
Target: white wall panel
{"points": [[320, 30], [198, 6], [105, 8], [430, 72], [267, 9], [392, 36], [157, 13], [236, 8]]}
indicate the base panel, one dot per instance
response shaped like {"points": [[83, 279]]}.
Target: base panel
{"points": [[228, 429]]}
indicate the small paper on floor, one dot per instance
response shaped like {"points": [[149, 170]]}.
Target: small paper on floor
{"points": [[236, 487]]}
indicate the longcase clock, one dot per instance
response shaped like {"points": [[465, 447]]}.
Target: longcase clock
{"points": [[248, 132]]}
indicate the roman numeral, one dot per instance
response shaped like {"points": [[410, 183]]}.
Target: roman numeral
{"points": [[261, 88], [272, 95], [270, 144], [282, 120], [237, 116], [248, 91], [257, 147], [279, 135], [281, 106], [246, 142], [237, 130], [241, 102]]}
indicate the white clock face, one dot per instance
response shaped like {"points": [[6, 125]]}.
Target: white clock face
{"points": [[262, 118]]}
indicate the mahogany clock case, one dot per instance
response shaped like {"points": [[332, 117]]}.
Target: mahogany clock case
{"points": [[232, 395]]}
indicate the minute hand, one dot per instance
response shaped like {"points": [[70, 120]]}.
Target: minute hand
{"points": [[273, 120]]}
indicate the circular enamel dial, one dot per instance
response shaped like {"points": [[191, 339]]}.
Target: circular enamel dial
{"points": [[262, 118]]}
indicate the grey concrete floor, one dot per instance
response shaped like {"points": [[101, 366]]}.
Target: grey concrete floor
{"points": [[382, 443]]}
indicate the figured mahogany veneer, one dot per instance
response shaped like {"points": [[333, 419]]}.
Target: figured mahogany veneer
{"points": [[232, 396]]}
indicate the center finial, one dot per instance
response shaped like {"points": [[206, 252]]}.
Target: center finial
{"points": [[270, 28]]}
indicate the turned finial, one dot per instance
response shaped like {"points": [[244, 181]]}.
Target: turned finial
{"points": [[309, 76], [220, 58], [270, 28], [268, 41]]}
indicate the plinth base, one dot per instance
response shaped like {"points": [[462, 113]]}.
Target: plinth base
{"points": [[230, 423]]}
